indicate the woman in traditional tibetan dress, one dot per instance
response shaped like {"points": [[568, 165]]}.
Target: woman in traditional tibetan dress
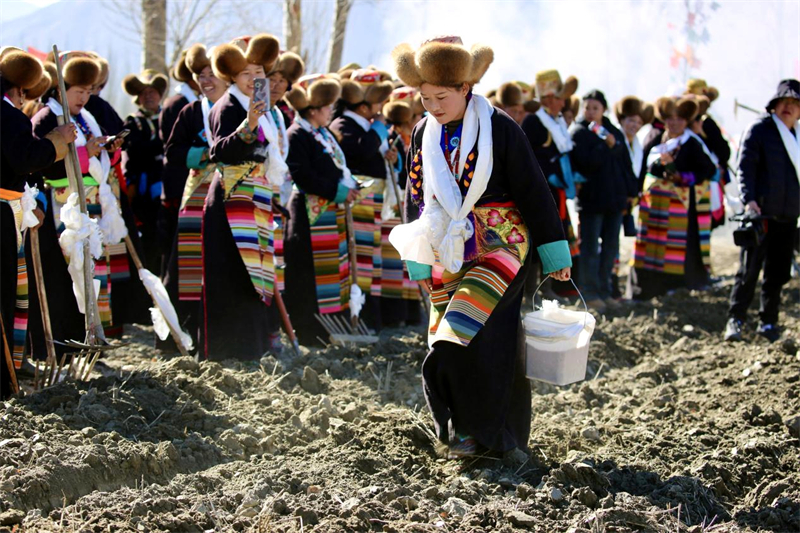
{"points": [[673, 244], [317, 265], [189, 142], [21, 154], [361, 131], [239, 318], [395, 281], [479, 206], [287, 71], [102, 189]]}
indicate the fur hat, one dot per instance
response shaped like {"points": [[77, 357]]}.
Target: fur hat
{"points": [[703, 103], [228, 60], [700, 87], [21, 69], [44, 85], [290, 65], [367, 86], [573, 104], [409, 95], [532, 106], [104, 67], [509, 94], [397, 112], [180, 71], [687, 109], [134, 85], [314, 91], [664, 108], [442, 61], [648, 113], [548, 82], [81, 71], [197, 59]]}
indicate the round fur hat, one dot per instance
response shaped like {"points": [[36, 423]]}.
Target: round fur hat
{"points": [[442, 61], [648, 113], [509, 94], [21, 69], [134, 85], [197, 59], [409, 95], [81, 71], [532, 106], [180, 71], [664, 108], [687, 109], [104, 67], [628, 107], [44, 85], [314, 91], [548, 83], [290, 65], [573, 103], [700, 87], [228, 60], [366, 86], [397, 112], [346, 71]]}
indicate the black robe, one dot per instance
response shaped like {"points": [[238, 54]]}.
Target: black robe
{"points": [[361, 148], [173, 178], [186, 134], [314, 172], [236, 323], [21, 154], [143, 168], [481, 390], [105, 115], [130, 302]]}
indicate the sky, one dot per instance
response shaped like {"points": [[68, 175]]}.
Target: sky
{"points": [[620, 47]]}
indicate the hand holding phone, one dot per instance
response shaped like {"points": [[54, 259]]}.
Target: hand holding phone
{"points": [[261, 90]]}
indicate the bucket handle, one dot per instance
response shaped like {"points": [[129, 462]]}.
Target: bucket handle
{"points": [[586, 307]]}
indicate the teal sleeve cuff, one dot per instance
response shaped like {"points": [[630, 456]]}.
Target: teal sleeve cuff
{"points": [[42, 199], [341, 194], [554, 256], [380, 128], [194, 159], [418, 271]]}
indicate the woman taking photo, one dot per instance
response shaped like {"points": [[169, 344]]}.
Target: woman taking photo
{"points": [[189, 143], [317, 266], [238, 269], [479, 203], [673, 242]]}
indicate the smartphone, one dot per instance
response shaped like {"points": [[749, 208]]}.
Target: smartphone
{"points": [[261, 90], [121, 135]]}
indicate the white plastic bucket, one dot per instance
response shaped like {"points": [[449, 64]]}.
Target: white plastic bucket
{"points": [[557, 343]]}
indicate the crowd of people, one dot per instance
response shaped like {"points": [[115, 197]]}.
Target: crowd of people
{"points": [[241, 202]]}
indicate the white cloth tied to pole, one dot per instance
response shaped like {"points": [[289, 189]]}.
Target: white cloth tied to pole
{"points": [[357, 299], [163, 314], [111, 222], [79, 229], [276, 166], [28, 203], [443, 225]]}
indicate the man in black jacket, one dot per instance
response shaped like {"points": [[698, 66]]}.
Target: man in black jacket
{"points": [[769, 178]]}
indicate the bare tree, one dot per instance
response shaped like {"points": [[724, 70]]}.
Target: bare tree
{"points": [[154, 34], [292, 25], [337, 38], [185, 19]]}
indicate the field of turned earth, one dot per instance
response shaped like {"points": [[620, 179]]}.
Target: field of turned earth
{"points": [[672, 431]]}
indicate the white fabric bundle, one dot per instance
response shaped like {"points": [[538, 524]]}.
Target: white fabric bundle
{"points": [[558, 130], [79, 228], [28, 203], [276, 166], [161, 319], [357, 299], [443, 225]]}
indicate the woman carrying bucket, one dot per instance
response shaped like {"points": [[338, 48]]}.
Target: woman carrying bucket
{"points": [[479, 202]]}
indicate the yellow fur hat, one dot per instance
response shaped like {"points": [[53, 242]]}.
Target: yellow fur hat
{"points": [[442, 61], [228, 60], [700, 87], [548, 83]]}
